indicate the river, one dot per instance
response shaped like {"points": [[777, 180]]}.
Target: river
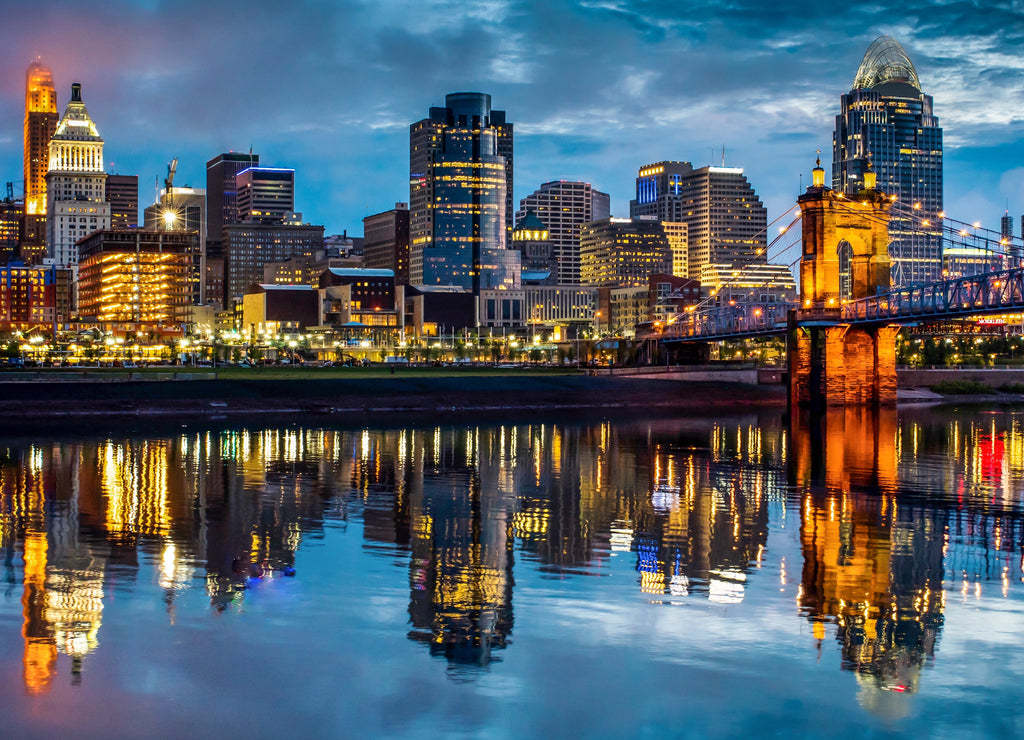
{"points": [[855, 575]]}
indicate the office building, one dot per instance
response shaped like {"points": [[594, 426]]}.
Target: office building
{"points": [[564, 206], [12, 216], [137, 277], [886, 121], [624, 252], [533, 241], [222, 195], [460, 189], [307, 270], [726, 221], [264, 195], [248, 247], [386, 242], [753, 283], [566, 308], [75, 183], [40, 125], [123, 196]]}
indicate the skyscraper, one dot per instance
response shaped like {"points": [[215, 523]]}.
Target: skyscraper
{"points": [[886, 120], [76, 202], [221, 211], [264, 195], [221, 194], [726, 222], [460, 187], [40, 124], [564, 206]]}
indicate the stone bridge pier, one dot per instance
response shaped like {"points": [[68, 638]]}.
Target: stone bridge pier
{"points": [[841, 365]]}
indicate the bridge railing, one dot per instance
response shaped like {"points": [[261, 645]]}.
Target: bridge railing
{"points": [[737, 321], [988, 292]]}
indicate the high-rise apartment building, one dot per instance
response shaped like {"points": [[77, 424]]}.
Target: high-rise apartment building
{"points": [[386, 242], [564, 206], [624, 252], [726, 221], [76, 204], [123, 197], [460, 188], [40, 125], [887, 122]]}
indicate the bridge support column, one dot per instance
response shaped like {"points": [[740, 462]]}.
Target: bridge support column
{"points": [[842, 365], [885, 365]]}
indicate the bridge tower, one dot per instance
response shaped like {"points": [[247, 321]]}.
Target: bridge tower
{"points": [[845, 257]]}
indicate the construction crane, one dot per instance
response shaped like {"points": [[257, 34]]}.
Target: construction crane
{"points": [[170, 214]]}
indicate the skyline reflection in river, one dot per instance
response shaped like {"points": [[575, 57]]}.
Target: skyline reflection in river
{"points": [[874, 560]]}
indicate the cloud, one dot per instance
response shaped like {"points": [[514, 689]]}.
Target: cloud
{"points": [[595, 88]]}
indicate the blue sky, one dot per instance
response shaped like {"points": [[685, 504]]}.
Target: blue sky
{"points": [[595, 88]]}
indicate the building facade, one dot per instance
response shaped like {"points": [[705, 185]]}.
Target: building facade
{"points": [[532, 239], [460, 184], [122, 193], [222, 195], [560, 305], [725, 220], [31, 296], [564, 206], [887, 122], [12, 216], [183, 209], [386, 242], [40, 125], [136, 276], [76, 204], [624, 252], [248, 247], [264, 195]]}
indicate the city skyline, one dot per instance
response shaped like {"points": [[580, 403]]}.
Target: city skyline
{"points": [[586, 84]]}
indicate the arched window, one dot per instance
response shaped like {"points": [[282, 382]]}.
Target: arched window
{"points": [[845, 252]]}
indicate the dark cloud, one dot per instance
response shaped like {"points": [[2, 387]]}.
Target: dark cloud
{"points": [[595, 87]]}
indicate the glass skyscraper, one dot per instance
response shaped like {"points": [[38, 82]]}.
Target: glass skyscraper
{"points": [[886, 120], [460, 191]]}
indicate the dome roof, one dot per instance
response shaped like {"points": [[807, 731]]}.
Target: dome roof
{"points": [[885, 61]]}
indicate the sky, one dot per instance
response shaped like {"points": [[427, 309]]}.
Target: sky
{"points": [[595, 88]]}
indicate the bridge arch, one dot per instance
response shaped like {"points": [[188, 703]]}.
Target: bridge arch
{"points": [[844, 253]]}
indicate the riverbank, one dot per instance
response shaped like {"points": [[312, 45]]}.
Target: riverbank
{"points": [[49, 402]]}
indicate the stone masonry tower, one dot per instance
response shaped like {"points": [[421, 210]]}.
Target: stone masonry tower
{"points": [[845, 258]]}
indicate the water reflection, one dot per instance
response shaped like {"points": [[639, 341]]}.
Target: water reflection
{"points": [[891, 516]]}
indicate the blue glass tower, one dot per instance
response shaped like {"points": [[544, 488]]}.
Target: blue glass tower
{"points": [[887, 121]]}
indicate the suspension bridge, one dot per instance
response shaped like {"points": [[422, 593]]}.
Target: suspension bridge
{"points": [[841, 332]]}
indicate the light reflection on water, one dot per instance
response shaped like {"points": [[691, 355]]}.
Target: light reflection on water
{"points": [[858, 569]]}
